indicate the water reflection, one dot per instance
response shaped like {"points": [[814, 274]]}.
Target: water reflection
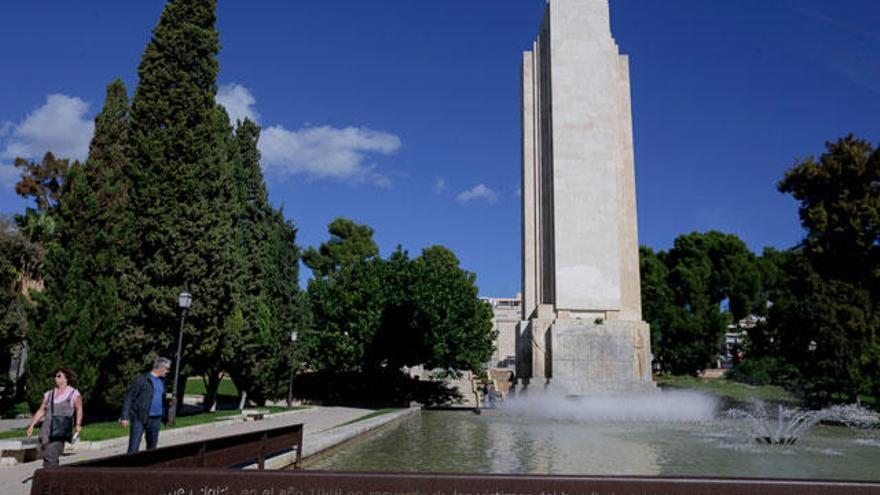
{"points": [[464, 442]]}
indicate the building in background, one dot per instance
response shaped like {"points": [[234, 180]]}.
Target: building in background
{"points": [[507, 317]]}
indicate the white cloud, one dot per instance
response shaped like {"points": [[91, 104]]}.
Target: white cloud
{"points": [[440, 185], [326, 152], [379, 180], [58, 126], [238, 102], [478, 192], [319, 152]]}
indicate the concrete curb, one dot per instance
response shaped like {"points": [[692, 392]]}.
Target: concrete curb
{"points": [[324, 440], [313, 443]]}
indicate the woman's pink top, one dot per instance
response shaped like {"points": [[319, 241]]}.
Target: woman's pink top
{"points": [[70, 395]]}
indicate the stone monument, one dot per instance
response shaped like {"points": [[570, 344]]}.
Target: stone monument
{"points": [[581, 331]]}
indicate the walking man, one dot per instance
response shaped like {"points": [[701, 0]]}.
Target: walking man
{"points": [[144, 406]]}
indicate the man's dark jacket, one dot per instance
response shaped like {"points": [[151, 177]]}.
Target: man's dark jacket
{"points": [[138, 400]]}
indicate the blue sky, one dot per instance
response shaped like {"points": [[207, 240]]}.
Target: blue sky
{"points": [[404, 114]]}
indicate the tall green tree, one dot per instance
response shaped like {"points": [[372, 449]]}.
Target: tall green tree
{"points": [[289, 311], [454, 324], [187, 198], [260, 355], [828, 318], [704, 270], [345, 297], [839, 197], [777, 269], [21, 265], [657, 298], [346, 310], [374, 316], [82, 317]]}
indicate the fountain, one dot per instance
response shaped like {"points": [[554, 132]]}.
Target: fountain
{"points": [[789, 425], [580, 330], [670, 433], [677, 406]]}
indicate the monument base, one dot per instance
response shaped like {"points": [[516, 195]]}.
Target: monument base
{"points": [[599, 357]]}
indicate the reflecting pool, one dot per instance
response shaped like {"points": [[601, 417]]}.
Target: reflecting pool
{"points": [[511, 442]]}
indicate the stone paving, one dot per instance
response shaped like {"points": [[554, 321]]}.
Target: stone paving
{"points": [[322, 430], [14, 424]]}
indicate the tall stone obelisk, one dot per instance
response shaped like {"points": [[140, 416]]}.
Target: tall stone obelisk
{"points": [[582, 330]]}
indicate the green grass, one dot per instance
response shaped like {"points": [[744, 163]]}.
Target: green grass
{"points": [[377, 412], [17, 409], [94, 432], [730, 389], [106, 430], [196, 386], [280, 409], [13, 434]]}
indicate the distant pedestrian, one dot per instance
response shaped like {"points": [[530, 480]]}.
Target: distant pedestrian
{"points": [[492, 397], [62, 415], [145, 408]]}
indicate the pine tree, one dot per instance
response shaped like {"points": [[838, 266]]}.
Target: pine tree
{"points": [[684, 290], [186, 196], [349, 242], [43, 181]]}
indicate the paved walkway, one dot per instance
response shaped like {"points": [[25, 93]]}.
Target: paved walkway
{"points": [[14, 424], [15, 480]]}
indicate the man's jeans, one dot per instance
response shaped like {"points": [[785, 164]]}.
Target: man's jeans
{"points": [[151, 427]]}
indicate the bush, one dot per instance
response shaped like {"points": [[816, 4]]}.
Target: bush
{"points": [[389, 389], [764, 371]]}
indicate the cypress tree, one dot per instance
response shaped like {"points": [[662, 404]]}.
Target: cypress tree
{"points": [[83, 315], [288, 302], [271, 305], [186, 196]]}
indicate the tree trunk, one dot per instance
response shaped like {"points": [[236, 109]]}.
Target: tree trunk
{"points": [[212, 385], [181, 391]]}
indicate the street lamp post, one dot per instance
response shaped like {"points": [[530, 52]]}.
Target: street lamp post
{"points": [[184, 300], [293, 337]]}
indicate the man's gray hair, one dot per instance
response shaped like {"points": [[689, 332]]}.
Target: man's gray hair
{"points": [[161, 362]]}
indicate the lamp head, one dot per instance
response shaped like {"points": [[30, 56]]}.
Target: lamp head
{"points": [[184, 300]]}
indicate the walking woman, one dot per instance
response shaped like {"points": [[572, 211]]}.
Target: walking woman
{"points": [[64, 404]]}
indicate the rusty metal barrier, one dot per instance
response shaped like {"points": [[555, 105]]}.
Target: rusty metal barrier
{"points": [[224, 452], [182, 481]]}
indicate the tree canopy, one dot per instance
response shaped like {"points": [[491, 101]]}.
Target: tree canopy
{"points": [[820, 298], [374, 315], [349, 243], [83, 314], [683, 291], [826, 314], [171, 198]]}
